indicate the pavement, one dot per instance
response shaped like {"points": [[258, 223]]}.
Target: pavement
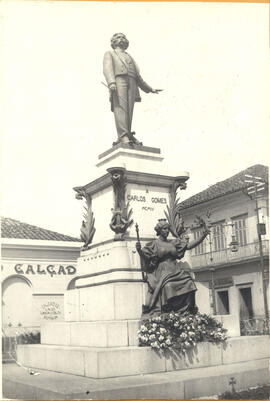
{"points": [[26, 384]]}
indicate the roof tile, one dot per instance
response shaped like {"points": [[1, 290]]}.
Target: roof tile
{"points": [[228, 186], [11, 228]]}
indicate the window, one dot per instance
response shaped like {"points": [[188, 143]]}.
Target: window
{"points": [[240, 229], [223, 302], [246, 310], [219, 239], [201, 248]]}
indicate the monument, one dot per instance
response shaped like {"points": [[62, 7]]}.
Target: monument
{"points": [[104, 307], [125, 273]]}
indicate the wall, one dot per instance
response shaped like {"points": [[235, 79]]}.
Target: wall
{"points": [[33, 288]]}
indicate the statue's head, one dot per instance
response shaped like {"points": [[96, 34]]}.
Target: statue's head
{"points": [[119, 39], [162, 224]]}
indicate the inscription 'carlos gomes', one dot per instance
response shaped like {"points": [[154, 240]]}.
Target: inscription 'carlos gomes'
{"points": [[142, 198]]}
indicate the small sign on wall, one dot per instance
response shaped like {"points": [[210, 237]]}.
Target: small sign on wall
{"points": [[48, 308], [222, 282]]}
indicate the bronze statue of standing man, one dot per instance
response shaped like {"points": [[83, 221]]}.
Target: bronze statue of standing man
{"points": [[124, 80]]}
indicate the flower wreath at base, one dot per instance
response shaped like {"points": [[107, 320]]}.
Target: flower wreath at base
{"points": [[180, 331]]}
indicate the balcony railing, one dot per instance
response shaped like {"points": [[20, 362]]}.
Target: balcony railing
{"points": [[258, 325], [227, 256]]}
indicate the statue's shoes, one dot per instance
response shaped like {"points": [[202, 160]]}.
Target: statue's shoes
{"points": [[133, 140], [128, 138]]}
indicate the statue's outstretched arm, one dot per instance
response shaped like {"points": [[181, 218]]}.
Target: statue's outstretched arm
{"points": [[206, 230], [197, 241], [145, 87]]}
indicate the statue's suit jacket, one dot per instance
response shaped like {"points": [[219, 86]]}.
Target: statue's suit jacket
{"points": [[113, 66]]}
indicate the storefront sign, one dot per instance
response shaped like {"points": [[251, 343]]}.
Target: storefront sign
{"points": [[50, 310], [52, 270], [223, 282]]}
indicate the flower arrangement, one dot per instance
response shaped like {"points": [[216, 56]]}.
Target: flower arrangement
{"points": [[180, 331]]}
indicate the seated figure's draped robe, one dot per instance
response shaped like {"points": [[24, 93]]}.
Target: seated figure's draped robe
{"points": [[170, 285]]}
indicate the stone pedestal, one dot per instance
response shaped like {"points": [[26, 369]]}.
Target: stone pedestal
{"points": [[104, 302], [109, 283], [103, 305], [147, 182]]}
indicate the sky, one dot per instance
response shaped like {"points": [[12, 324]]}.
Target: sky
{"points": [[212, 119]]}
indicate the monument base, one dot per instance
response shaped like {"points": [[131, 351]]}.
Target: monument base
{"points": [[96, 362]]}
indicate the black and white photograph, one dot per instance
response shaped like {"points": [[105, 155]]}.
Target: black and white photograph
{"points": [[134, 197]]}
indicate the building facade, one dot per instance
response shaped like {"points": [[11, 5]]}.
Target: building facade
{"points": [[37, 267], [229, 275]]}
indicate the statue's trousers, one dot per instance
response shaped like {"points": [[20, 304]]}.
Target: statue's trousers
{"points": [[123, 103]]}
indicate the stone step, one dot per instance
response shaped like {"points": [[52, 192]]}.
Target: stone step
{"points": [[127, 361], [203, 382], [116, 333], [91, 362], [111, 333], [110, 301]]}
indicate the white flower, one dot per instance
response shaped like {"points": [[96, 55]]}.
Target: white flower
{"points": [[191, 333], [143, 328], [176, 324], [152, 337], [162, 330], [154, 325], [183, 335], [168, 342], [161, 338]]}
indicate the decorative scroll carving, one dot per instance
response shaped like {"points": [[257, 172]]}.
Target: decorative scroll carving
{"points": [[121, 219], [88, 224]]}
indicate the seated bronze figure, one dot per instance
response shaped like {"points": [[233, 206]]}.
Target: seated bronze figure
{"points": [[170, 286]]}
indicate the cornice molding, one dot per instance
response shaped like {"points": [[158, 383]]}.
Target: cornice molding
{"points": [[133, 177]]}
